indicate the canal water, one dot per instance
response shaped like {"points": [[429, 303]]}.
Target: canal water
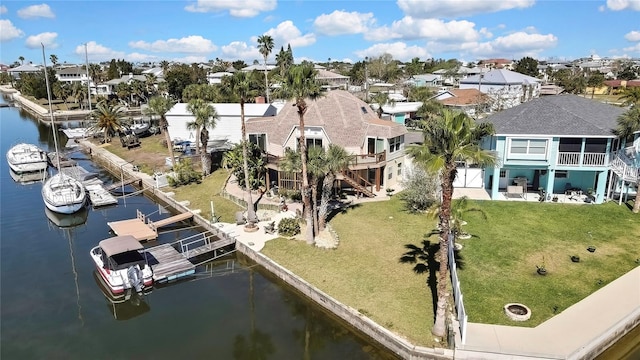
{"points": [[53, 307]]}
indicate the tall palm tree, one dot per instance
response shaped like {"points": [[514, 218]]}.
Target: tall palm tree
{"points": [[630, 96], [382, 99], [265, 46], [628, 126], [337, 159], [300, 84], [107, 118], [316, 168], [241, 85], [54, 59], [79, 93], [205, 117], [21, 58], [449, 138], [160, 106]]}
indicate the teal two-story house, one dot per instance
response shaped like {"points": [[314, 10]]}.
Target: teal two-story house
{"points": [[556, 144]]}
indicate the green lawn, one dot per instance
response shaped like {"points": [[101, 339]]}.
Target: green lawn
{"points": [[498, 265]]}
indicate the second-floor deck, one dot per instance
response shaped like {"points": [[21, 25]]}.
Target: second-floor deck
{"points": [[361, 161], [583, 159]]}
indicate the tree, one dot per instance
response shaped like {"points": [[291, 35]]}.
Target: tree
{"points": [[527, 66], [336, 160], [414, 67], [241, 85], [420, 189], [381, 98], [108, 119], [265, 45], [159, 105], [300, 84], [61, 91], [595, 80], [631, 96], [205, 117], [284, 60], [628, 126], [449, 138], [21, 58], [54, 59], [112, 72]]}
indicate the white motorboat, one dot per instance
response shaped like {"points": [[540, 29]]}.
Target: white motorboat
{"points": [[28, 177], [24, 158], [122, 264], [63, 194]]}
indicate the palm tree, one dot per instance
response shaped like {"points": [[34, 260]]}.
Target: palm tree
{"points": [[382, 99], [316, 167], [631, 96], [160, 105], [628, 126], [61, 91], [205, 116], [21, 58], [108, 119], [265, 45], [449, 138], [241, 85], [336, 160], [54, 59], [79, 93], [300, 84]]}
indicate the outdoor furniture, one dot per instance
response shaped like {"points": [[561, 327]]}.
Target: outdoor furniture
{"points": [[515, 191], [240, 218], [521, 181], [270, 228]]}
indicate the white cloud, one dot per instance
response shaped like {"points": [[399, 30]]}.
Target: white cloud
{"points": [[194, 44], [633, 36], [409, 28], [633, 49], [236, 8], [97, 52], [190, 59], [342, 22], [138, 57], [513, 46], [3, 9], [8, 31], [399, 51], [35, 11], [457, 8], [617, 5], [240, 50], [287, 33], [48, 39]]}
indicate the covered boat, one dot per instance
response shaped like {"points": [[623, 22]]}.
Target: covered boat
{"points": [[25, 158], [63, 194], [122, 264]]}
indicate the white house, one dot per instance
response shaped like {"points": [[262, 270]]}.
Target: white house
{"points": [[506, 88], [228, 125]]}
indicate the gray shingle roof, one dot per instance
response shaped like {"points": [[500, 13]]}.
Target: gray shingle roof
{"points": [[346, 119], [561, 115], [500, 77]]}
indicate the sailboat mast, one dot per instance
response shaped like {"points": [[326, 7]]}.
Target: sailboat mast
{"points": [[53, 125]]}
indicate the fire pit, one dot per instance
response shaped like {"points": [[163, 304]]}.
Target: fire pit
{"points": [[517, 312]]}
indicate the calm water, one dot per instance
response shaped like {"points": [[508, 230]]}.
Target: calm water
{"points": [[52, 306]]}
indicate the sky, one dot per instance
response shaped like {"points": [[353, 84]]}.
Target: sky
{"points": [[348, 30]]}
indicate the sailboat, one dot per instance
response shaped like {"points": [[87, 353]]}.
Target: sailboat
{"points": [[61, 193]]}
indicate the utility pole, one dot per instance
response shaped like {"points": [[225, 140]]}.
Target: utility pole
{"points": [[366, 79]]}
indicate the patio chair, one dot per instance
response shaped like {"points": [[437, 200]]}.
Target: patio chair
{"points": [[515, 190], [270, 228]]}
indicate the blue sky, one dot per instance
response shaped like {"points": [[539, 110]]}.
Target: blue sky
{"points": [[348, 30]]}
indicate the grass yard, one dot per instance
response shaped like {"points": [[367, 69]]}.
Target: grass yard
{"points": [[498, 265]]}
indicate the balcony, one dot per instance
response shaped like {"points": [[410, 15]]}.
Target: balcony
{"points": [[582, 159], [359, 162]]}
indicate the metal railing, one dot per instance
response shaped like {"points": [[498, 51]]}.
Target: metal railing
{"points": [[457, 292], [624, 168], [583, 159]]}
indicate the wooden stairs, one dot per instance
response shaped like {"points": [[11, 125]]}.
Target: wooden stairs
{"points": [[358, 183]]}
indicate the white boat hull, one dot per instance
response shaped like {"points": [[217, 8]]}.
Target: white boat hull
{"points": [[117, 281], [63, 194], [24, 158]]}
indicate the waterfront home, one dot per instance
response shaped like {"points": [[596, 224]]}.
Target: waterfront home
{"points": [[560, 144], [470, 101], [340, 118], [331, 80], [72, 74], [228, 125], [505, 88], [22, 69]]}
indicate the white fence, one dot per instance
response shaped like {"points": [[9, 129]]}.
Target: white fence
{"points": [[457, 293]]}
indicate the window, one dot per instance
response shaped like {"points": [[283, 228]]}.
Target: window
{"points": [[311, 142], [528, 148], [260, 140], [562, 174], [400, 169], [390, 175], [394, 143]]}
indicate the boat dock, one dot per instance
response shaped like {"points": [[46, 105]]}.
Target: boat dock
{"points": [[144, 229], [170, 264], [97, 194]]}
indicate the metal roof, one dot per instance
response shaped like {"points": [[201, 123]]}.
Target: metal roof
{"points": [[120, 244]]}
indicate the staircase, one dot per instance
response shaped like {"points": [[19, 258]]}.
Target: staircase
{"points": [[358, 183], [624, 164]]}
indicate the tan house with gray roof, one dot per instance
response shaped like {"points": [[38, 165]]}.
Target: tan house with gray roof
{"points": [[336, 118]]}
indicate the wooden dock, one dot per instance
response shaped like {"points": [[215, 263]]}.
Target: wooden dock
{"points": [[144, 229], [170, 264], [99, 196], [120, 184]]}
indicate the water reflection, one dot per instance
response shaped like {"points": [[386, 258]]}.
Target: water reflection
{"points": [[127, 305], [28, 178]]}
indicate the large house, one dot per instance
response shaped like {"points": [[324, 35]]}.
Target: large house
{"points": [[228, 125], [470, 101], [506, 88], [559, 144], [336, 118]]}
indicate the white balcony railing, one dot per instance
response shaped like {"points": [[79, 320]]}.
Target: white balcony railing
{"points": [[588, 159]]}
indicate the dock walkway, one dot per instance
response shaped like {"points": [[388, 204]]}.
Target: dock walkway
{"points": [[144, 229]]}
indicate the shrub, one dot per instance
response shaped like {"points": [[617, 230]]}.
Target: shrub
{"points": [[420, 190], [184, 174], [288, 227]]}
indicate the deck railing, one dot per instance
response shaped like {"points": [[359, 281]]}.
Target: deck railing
{"points": [[359, 159], [583, 159]]}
